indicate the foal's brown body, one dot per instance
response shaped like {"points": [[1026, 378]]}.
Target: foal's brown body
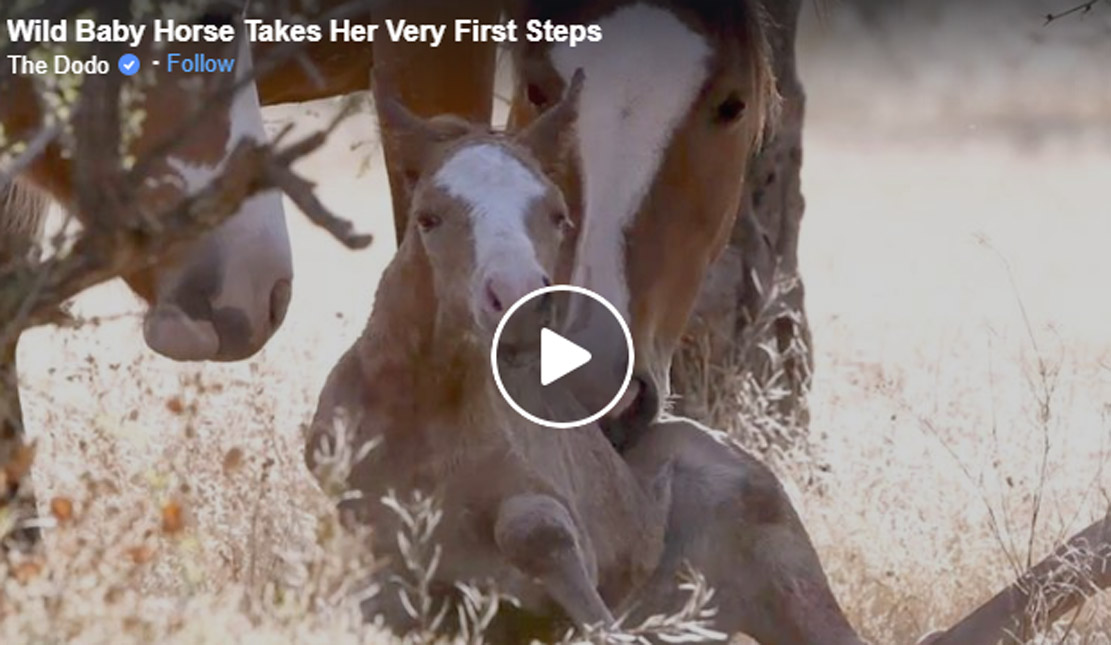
{"points": [[420, 383], [549, 516], [681, 495]]}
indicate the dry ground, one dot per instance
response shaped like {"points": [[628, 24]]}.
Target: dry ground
{"points": [[956, 178]]}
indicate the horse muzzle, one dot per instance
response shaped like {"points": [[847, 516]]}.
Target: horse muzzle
{"points": [[638, 407], [222, 334]]}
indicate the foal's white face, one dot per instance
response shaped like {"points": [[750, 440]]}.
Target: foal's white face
{"points": [[489, 219], [492, 225]]}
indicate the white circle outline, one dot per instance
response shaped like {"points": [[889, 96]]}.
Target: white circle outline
{"points": [[562, 425]]}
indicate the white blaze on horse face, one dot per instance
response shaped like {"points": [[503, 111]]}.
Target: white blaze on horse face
{"points": [[640, 82], [498, 191], [249, 256]]}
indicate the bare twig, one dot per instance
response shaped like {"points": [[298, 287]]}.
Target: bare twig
{"points": [[30, 294], [118, 243], [1082, 8], [278, 55], [301, 191], [97, 168]]}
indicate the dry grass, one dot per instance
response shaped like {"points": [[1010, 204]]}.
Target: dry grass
{"points": [[961, 393], [963, 374]]}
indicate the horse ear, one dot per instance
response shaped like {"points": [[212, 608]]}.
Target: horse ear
{"points": [[408, 139], [549, 137]]}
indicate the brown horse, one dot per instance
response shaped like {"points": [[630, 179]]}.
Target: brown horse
{"points": [[549, 516], [220, 298], [676, 102], [674, 107]]}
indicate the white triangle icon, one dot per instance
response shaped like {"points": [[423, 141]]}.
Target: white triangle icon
{"points": [[559, 356]]}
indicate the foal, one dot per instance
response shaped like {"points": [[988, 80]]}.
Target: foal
{"points": [[547, 515]]}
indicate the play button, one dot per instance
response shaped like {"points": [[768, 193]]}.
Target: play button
{"points": [[562, 356], [559, 356]]}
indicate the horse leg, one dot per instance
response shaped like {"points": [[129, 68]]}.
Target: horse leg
{"points": [[732, 521], [454, 78], [536, 534]]}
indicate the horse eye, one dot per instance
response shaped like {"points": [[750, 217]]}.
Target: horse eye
{"points": [[729, 110], [561, 221], [428, 221]]}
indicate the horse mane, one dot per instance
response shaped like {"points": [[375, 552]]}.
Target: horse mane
{"points": [[759, 28], [22, 216], [751, 26]]}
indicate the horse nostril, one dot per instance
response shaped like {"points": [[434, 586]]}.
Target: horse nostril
{"points": [[493, 299], [279, 302], [547, 281]]}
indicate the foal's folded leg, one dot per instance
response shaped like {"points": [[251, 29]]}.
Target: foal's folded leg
{"points": [[732, 521], [537, 535]]}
